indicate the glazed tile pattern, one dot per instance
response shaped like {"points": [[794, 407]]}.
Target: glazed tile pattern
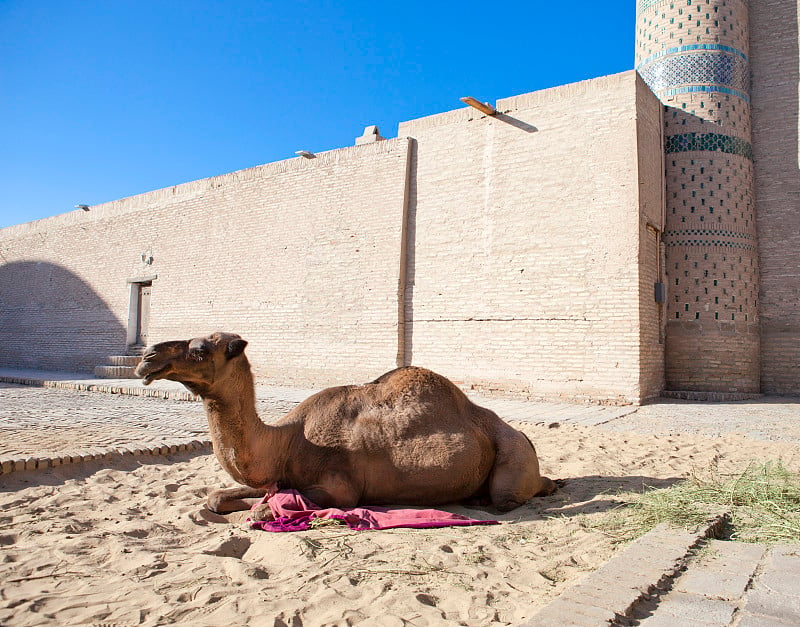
{"points": [[709, 232], [703, 71], [707, 242], [692, 48], [688, 142]]}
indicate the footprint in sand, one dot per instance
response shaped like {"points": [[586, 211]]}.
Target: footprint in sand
{"points": [[232, 547]]}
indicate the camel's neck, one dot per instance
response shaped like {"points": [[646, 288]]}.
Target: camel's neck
{"points": [[242, 443]]}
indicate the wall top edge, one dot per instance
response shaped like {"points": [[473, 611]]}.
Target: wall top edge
{"points": [[197, 188], [566, 92], [522, 101]]}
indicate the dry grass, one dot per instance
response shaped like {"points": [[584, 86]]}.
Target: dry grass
{"points": [[763, 502]]}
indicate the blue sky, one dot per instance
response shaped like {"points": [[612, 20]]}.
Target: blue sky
{"points": [[102, 100]]}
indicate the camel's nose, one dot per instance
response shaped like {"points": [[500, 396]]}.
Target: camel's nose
{"points": [[164, 349]]}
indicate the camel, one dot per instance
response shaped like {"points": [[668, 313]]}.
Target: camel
{"points": [[411, 437]]}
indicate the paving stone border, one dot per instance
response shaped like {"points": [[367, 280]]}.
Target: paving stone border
{"points": [[19, 464], [715, 397], [92, 385], [634, 576]]}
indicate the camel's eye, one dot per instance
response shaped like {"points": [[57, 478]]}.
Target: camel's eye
{"points": [[198, 353]]}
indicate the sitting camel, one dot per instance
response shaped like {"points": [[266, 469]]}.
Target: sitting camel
{"points": [[410, 437]]}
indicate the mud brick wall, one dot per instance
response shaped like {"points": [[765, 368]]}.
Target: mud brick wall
{"points": [[527, 230], [775, 64], [301, 257], [516, 252]]}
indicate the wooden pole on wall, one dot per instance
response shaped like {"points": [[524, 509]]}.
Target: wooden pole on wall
{"points": [[483, 107]]}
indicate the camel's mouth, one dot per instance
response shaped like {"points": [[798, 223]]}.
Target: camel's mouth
{"points": [[149, 373], [149, 378]]}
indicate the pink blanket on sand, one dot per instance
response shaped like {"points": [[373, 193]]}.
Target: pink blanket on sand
{"points": [[294, 512]]}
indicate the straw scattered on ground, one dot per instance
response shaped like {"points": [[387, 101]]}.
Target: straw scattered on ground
{"points": [[763, 502]]}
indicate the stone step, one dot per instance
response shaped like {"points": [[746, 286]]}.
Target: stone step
{"points": [[719, 397], [115, 372], [124, 360]]}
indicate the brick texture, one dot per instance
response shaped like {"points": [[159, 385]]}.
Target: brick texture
{"points": [[775, 62], [502, 251], [528, 229], [300, 257], [694, 55]]}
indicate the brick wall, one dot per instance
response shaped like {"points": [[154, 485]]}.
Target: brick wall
{"points": [[775, 66], [527, 234], [301, 257], [652, 315], [516, 252]]}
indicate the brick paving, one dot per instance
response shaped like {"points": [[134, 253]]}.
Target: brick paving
{"points": [[52, 415], [62, 418]]}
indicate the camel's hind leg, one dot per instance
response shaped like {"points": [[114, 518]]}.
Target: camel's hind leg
{"points": [[515, 477]]}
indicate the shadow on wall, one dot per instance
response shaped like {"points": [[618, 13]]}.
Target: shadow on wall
{"points": [[51, 319], [406, 352]]}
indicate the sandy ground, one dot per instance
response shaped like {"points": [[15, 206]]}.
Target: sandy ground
{"points": [[132, 544]]}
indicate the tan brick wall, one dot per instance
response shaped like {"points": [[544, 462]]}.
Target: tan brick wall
{"points": [[527, 230], [775, 63], [518, 266], [301, 257], [650, 125]]}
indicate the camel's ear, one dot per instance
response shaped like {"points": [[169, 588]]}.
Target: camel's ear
{"points": [[235, 348]]}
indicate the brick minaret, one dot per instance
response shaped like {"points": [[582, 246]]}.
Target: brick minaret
{"points": [[694, 55]]}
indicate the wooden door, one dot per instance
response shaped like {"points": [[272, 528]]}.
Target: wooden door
{"points": [[143, 315]]}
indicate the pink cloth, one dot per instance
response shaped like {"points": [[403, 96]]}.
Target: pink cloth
{"points": [[294, 512]]}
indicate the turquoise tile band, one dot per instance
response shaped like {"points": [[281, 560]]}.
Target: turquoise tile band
{"points": [[693, 48], [713, 142], [698, 71]]}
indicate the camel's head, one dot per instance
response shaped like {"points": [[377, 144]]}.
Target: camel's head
{"points": [[197, 363]]}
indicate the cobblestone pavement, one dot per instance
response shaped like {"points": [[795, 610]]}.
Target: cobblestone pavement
{"points": [[45, 422], [58, 412]]}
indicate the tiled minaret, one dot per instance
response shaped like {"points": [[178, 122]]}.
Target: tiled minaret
{"points": [[694, 55]]}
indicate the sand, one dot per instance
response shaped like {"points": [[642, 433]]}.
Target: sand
{"points": [[131, 544]]}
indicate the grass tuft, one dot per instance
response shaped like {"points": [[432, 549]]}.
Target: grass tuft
{"points": [[763, 502]]}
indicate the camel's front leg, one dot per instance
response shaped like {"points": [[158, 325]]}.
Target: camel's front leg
{"points": [[227, 500]]}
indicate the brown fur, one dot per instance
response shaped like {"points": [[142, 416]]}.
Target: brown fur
{"points": [[410, 437]]}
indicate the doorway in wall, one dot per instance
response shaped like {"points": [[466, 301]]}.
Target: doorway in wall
{"points": [[139, 314]]}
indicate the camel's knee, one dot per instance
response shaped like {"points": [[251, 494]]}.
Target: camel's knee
{"points": [[262, 513], [215, 502]]}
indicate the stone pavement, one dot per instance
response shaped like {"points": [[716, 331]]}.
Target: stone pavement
{"points": [[670, 578], [52, 418], [732, 583], [667, 577]]}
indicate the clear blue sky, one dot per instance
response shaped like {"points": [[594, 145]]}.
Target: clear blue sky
{"points": [[102, 100]]}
